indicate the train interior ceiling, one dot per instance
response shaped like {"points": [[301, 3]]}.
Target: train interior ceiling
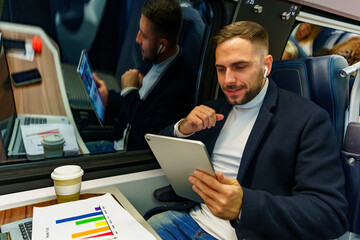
{"points": [[107, 29]]}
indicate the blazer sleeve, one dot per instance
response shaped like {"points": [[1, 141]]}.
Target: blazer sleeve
{"points": [[173, 104], [316, 208], [168, 131], [114, 103]]}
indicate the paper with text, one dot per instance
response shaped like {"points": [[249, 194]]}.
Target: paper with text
{"points": [[94, 218], [34, 133]]}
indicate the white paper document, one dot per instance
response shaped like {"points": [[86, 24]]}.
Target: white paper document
{"points": [[33, 134], [28, 55], [94, 218]]}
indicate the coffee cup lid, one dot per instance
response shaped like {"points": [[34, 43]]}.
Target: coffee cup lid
{"points": [[67, 172], [53, 140]]}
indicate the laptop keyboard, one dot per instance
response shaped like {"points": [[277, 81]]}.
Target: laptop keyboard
{"points": [[18, 230], [35, 120], [28, 121], [26, 229], [76, 92]]}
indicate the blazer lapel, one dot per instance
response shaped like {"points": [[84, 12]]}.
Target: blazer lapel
{"points": [[259, 128], [164, 76]]}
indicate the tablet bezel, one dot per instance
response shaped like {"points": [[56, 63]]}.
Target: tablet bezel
{"points": [[179, 158]]}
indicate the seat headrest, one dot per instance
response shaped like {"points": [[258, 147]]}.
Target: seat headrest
{"points": [[318, 79], [191, 37]]}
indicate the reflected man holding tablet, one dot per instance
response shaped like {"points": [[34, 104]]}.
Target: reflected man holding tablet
{"points": [[152, 100]]}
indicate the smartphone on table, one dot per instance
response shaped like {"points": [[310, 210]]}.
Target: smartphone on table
{"points": [[26, 77]]}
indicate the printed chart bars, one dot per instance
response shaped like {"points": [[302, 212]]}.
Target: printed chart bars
{"points": [[94, 222], [96, 218]]}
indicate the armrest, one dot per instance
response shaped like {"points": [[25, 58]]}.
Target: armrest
{"points": [[352, 138]]}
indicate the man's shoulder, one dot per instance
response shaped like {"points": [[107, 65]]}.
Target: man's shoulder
{"points": [[290, 102], [178, 63], [294, 98], [178, 74]]}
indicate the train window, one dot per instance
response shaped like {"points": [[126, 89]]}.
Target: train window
{"points": [[109, 34], [308, 40]]}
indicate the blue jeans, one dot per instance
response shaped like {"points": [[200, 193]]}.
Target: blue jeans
{"points": [[101, 146], [177, 225]]}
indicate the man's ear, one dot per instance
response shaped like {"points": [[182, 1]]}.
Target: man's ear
{"points": [[159, 49], [268, 60], [164, 45], [266, 71]]}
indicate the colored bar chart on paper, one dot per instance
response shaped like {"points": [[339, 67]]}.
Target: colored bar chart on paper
{"points": [[98, 218], [96, 224]]}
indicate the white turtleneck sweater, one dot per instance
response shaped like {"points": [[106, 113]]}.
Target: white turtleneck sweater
{"points": [[226, 157]]}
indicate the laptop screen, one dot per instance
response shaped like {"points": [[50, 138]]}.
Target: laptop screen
{"points": [[85, 72], [8, 110]]}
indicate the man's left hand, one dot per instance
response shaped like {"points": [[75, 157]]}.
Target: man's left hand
{"points": [[131, 78], [222, 195]]}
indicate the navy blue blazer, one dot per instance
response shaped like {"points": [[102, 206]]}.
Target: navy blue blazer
{"points": [[290, 172], [170, 99]]}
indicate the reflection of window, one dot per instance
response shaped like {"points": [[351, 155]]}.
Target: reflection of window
{"points": [[349, 49], [115, 21], [313, 40], [291, 51]]}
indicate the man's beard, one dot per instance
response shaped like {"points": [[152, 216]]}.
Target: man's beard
{"points": [[151, 58], [249, 94]]}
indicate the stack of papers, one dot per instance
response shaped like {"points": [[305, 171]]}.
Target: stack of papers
{"points": [[33, 134], [94, 218], [28, 55]]}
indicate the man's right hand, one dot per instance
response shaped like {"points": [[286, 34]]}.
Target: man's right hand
{"points": [[132, 78], [201, 117], [103, 91]]}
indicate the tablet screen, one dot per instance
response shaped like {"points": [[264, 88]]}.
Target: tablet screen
{"points": [[85, 72]]}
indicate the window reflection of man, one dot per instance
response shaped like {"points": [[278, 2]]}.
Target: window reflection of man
{"points": [[149, 102]]}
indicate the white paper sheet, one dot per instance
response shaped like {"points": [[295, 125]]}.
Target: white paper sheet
{"points": [[91, 218], [28, 55], [32, 138]]}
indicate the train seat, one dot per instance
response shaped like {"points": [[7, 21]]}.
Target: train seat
{"points": [[351, 159], [318, 79], [190, 40]]}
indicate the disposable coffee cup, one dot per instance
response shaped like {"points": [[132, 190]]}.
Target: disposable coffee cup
{"points": [[67, 182], [53, 145]]}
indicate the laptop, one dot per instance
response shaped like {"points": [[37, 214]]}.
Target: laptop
{"points": [[179, 158], [19, 230], [10, 122]]}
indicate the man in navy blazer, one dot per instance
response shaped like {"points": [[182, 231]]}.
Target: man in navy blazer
{"points": [[150, 100], [171, 97], [278, 171]]}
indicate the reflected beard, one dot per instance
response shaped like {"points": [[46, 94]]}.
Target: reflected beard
{"points": [[152, 57]]}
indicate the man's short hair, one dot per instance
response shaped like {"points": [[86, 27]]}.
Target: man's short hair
{"points": [[166, 17], [244, 29]]}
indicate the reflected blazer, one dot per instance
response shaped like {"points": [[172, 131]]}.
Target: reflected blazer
{"points": [[170, 99], [290, 172]]}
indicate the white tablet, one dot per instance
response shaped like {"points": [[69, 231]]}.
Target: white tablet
{"points": [[179, 158]]}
